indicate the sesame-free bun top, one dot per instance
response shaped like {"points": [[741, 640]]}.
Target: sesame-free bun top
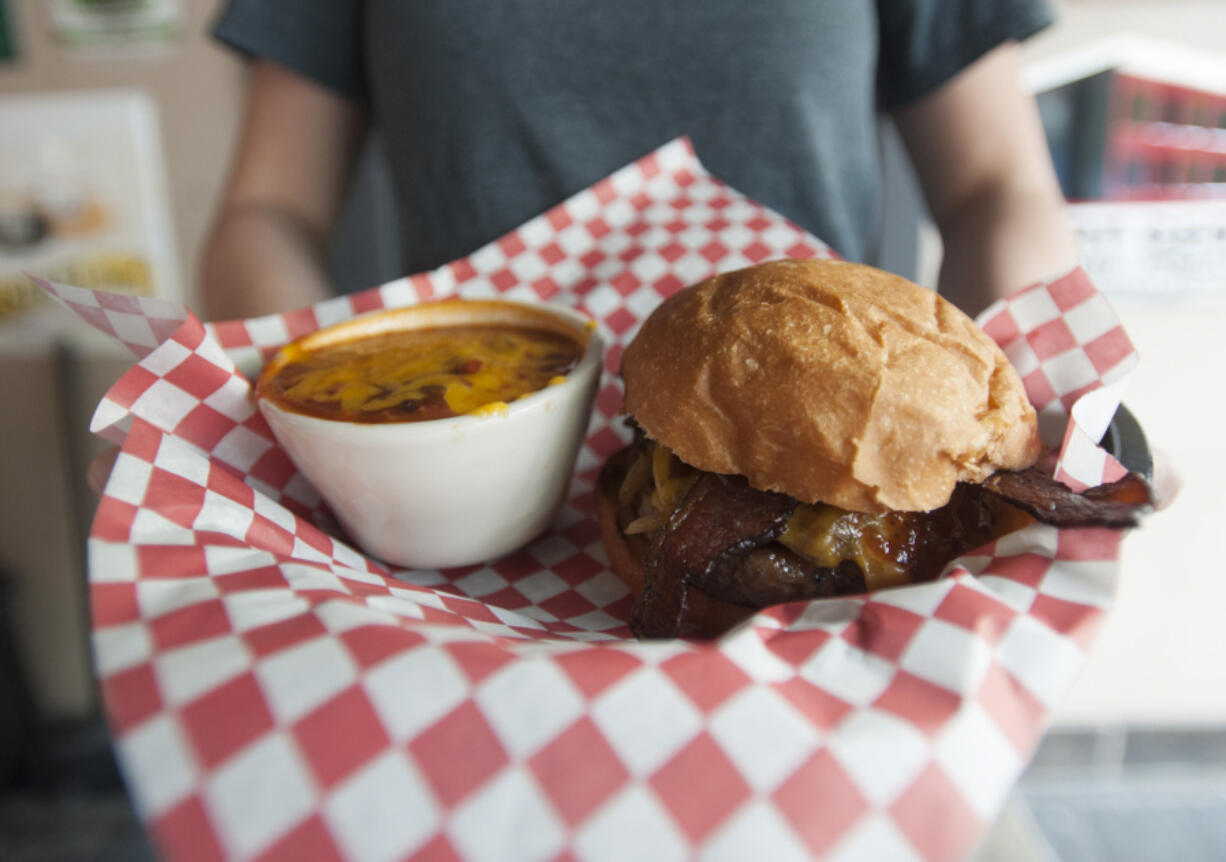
{"points": [[831, 382]]}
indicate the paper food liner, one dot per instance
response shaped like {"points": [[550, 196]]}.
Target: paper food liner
{"points": [[275, 694]]}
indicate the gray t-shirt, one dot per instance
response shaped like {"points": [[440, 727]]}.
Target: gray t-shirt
{"points": [[492, 112]]}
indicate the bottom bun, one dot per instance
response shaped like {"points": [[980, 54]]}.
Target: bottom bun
{"points": [[703, 614]]}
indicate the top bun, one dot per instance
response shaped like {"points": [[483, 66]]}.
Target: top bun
{"points": [[831, 382]]}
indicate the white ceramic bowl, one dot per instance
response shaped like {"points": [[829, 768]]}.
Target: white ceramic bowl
{"points": [[449, 492]]}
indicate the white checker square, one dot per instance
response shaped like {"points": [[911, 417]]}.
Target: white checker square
{"points": [[882, 753], [269, 508], [267, 330], [297, 680], [575, 241], [875, 837], [399, 606], [308, 553], [132, 328], [165, 359], [536, 233], [755, 831], [482, 582], [414, 689], [111, 562], [978, 758], [340, 616], [332, 311], [745, 648], [227, 559], [346, 556], [634, 824], [593, 621], [645, 737], [1017, 596], [158, 764], [603, 301], [1021, 356], [384, 812], [947, 655], [398, 293], [259, 794], [183, 460], [121, 647], [1091, 319], [568, 272], [1045, 661], [241, 448], [488, 259], [188, 672], [1087, 582], [831, 615], [528, 267], [642, 303], [250, 609], [551, 549], [1040, 539], [1032, 309], [921, 599], [151, 528], [157, 597], [1070, 370], [602, 589], [541, 586], [848, 673], [129, 479], [508, 818], [516, 618], [649, 266], [764, 736], [527, 703]]}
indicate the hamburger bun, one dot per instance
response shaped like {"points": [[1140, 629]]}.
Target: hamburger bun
{"points": [[830, 382]]}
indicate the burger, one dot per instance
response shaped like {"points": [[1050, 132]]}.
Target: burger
{"points": [[811, 428]]}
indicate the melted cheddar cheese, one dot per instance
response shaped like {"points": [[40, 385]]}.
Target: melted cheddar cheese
{"points": [[422, 374]]}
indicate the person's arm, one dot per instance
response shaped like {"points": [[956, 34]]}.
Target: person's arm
{"points": [[293, 161], [982, 160]]}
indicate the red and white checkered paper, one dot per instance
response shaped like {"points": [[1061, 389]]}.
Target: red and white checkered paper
{"points": [[275, 694]]}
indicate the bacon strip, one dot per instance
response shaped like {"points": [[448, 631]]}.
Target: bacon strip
{"points": [[1118, 504]]}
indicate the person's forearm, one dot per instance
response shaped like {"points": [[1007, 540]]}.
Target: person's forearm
{"points": [[259, 260], [1001, 241]]}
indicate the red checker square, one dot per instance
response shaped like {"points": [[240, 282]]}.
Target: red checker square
{"points": [[800, 251], [583, 533], [1002, 327], [1051, 339], [1028, 569], [366, 300], [636, 228], [224, 481], [458, 753], [714, 251], [143, 441], [274, 468], [604, 442], [190, 332], [437, 849], [1109, 349], [925, 705], [594, 670], [935, 816], [578, 770], [119, 302], [507, 598], [267, 536], [604, 191], [883, 630], [613, 357], [676, 225], [552, 253], [545, 287], [300, 322], [1089, 544], [340, 736], [478, 660], [681, 202], [113, 604], [1073, 620], [185, 832], [421, 286], [707, 678], [113, 520], [759, 223], [131, 386], [577, 569], [598, 228], [131, 696], [463, 271], [1071, 290], [700, 787], [519, 565], [641, 201], [469, 609], [1039, 390], [667, 285], [719, 202], [1018, 713], [1068, 399], [227, 719], [757, 251], [567, 605], [684, 177], [796, 647], [621, 320], [818, 705], [511, 244], [231, 333], [630, 253], [190, 624], [96, 316], [975, 611], [820, 802], [171, 561], [175, 498], [197, 376], [262, 578], [204, 427], [309, 534], [649, 165], [609, 399], [274, 637], [370, 645], [308, 840], [716, 224], [559, 218], [626, 282], [504, 280], [593, 258]]}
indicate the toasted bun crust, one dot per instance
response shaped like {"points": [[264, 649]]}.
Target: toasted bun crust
{"points": [[703, 615], [830, 382]]}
